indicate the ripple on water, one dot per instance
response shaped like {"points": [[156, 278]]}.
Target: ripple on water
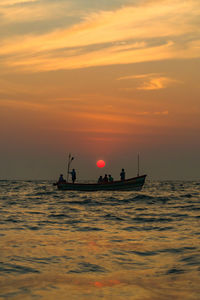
{"points": [[88, 228], [151, 220], [192, 260], [148, 199], [86, 267], [186, 196], [144, 253], [13, 268], [148, 228], [175, 271], [58, 216], [112, 217]]}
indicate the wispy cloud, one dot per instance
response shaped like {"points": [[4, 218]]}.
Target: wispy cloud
{"points": [[96, 113], [152, 30], [110, 56], [151, 81], [13, 2], [21, 11], [157, 83], [137, 76], [147, 113]]}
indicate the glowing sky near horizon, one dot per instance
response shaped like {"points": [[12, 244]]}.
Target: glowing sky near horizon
{"points": [[99, 79]]}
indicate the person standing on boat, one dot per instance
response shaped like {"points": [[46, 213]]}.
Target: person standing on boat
{"points": [[122, 174], [73, 173], [110, 179]]}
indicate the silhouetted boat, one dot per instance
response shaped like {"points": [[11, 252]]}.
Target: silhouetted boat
{"points": [[131, 184]]}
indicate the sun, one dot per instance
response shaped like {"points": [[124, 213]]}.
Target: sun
{"points": [[101, 163]]}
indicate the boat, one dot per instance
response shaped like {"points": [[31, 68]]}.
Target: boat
{"points": [[131, 184]]}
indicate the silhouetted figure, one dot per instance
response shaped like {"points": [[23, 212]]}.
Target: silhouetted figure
{"points": [[122, 174], [110, 179], [105, 179], [100, 180], [73, 173], [61, 179]]}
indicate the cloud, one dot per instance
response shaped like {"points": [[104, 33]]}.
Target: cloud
{"points": [[13, 2], [147, 113], [151, 81], [125, 116], [147, 32], [25, 11], [157, 83], [137, 76], [103, 57], [120, 25]]}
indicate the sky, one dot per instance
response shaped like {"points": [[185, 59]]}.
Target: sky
{"points": [[101, 80]]}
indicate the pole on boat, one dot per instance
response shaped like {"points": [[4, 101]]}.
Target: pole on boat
{"points": [[138, 165], [70, 158]]}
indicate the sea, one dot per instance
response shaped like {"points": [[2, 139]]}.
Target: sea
{"points": [[100, 245]]}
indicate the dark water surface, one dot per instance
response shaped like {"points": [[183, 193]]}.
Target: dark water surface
{"points": [[104, 245]]}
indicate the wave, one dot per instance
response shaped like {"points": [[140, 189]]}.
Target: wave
{"points": [[87, 268], [175, 271], [13, 268], [113, 217], [88, 228]]}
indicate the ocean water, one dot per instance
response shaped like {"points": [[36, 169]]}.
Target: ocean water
{"points": [[104, 245]]}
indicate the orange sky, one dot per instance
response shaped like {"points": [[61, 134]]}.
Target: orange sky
{"points": [[102, 81]]}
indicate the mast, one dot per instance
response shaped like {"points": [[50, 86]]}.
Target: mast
{"points": [[70, 158]]}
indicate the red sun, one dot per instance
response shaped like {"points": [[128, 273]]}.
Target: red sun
{"points": [[101, 163]]}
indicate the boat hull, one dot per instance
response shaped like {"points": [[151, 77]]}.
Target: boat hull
{"points": [[132, 184]]}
